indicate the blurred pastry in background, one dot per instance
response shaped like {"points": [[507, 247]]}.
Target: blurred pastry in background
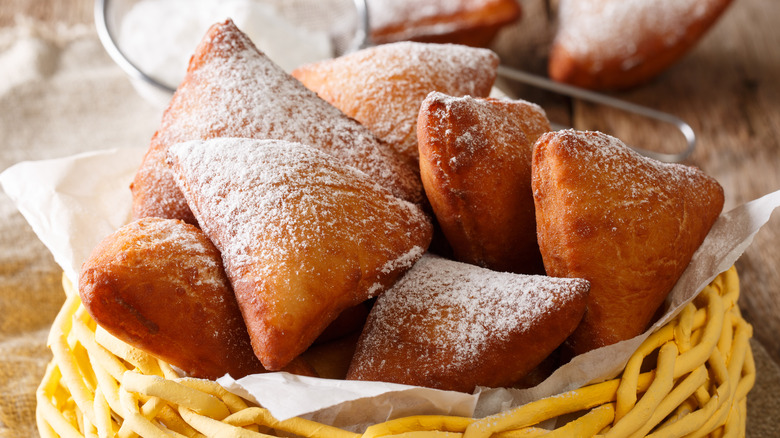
{"points": [[469, 22], [618, 44]]}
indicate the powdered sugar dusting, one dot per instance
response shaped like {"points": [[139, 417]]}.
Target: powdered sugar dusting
{"points": [[470, 307], [200, 260], [265, 203], [233, 90], [600, 30], [382, 87], [508, 128], [386, 13], [644, 182]]}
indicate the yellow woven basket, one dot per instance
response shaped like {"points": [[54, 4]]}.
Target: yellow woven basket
{"points": [[700, 371]]}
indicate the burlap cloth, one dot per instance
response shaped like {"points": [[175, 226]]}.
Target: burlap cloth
{"points": [[60, 94]]}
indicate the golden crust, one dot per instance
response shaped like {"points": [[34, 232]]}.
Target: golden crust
{"points": [[475, 164], [382, 87], [455, 326], [302, 235], [312, 224], [158, 284], [626, 223]]}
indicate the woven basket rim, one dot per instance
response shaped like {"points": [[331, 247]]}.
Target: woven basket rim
{"points": [[704, 368]]}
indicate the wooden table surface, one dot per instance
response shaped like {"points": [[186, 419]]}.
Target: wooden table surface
{"points": [[727, 88]]}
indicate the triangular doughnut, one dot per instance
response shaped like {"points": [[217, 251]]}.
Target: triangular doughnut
{"points": [[475, 164], [302, 235], [233, 90], [382, 87], [626, 223], [158, 284], [454, 326]]}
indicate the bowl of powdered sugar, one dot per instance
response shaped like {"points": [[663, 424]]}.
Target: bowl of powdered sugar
{"points": [[152, 40]]}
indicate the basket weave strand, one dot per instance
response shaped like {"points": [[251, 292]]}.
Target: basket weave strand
{"points": [[688, 379]]}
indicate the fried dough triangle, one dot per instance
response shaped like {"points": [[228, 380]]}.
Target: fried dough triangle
{"points": [[626, 223], [454, 326], [475, 164], [302, 235], [158, 284], [233, 90], [382, 87]]}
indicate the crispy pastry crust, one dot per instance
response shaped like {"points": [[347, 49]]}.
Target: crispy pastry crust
{"points": [[624, 222], [469, 22], [302, 235], [454, 326], [475, 164], [382, 87], [159, 285], [233, 90]]}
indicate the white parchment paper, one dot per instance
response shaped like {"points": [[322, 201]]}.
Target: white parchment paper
{"points": [[72, 203]]}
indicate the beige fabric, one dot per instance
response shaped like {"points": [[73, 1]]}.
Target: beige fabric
{"points": [[60, 94], [763, 402]]}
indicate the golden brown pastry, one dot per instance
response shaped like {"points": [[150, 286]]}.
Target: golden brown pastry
{"points": [[618, 44], [475, 164], [350, 321], [454, 326], [159, 285], [233, 90], [382, 87], [624, 222], [470, 22], [330, 360], [302, 235]]}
